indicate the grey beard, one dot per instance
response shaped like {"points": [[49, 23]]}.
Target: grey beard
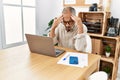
{"points": [[68, 28]]}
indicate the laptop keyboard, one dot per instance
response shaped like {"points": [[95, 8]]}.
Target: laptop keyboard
{"points": [[57, 51]]}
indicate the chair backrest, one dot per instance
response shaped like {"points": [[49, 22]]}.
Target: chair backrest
{"points": [[89, 44], [98, 76]]}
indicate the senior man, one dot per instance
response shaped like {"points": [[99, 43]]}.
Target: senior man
{"points": [[68, 30]]}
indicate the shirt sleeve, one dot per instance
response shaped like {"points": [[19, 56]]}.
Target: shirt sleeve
{"points": [[80, 40]]}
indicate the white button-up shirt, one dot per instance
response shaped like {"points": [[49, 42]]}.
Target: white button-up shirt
{"points": [[70, 39]]}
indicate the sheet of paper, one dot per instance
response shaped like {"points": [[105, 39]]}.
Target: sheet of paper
{"points": [[92, 1], [82, 59], [70, 1]]}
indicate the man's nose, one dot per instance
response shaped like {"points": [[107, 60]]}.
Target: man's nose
{"points": [[67, 24]]}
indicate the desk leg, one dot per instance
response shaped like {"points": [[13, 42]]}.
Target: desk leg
{"points": [[98, 63]]}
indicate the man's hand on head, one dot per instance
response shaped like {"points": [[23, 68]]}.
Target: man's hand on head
{"points": [[78, 22], [76, 19], [57, 21]]}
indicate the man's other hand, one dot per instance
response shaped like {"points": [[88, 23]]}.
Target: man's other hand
{"points": [[57, 21]]}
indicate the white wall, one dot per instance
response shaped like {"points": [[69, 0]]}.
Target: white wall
{"points": [[0, 26], [0, 41], [81, 9], [115, 8], [47, 10]]}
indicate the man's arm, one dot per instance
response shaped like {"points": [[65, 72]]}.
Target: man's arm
{"points": [[54, 26], [54, 30], [78, 23], [80, 40]]}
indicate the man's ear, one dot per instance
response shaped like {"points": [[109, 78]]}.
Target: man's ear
{"points": [[74, 14]]}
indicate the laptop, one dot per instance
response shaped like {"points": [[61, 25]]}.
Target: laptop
{"points": [[42, 45]]}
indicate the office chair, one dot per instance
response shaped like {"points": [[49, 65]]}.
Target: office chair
{"points": [[89, 44], [100, 75]]}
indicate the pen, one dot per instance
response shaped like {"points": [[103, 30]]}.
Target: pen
{"points": [[66, 57]]}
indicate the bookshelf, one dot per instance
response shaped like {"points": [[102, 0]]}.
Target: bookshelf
{"points": [[112, 61], [96, 22], [99, 41]]}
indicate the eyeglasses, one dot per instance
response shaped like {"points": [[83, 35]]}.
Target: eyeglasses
{"points": [[71, 22]]}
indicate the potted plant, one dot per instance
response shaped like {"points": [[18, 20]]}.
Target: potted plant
{"points": [[107, 69], [107, 51], [49, 26]]}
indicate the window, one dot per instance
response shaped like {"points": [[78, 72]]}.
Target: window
{"points": [[12, 1], [29, 2], [29, 20], [13, 24], [18, 18]]}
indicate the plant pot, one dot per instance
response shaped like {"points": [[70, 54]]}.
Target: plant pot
{"points": [[107, 54], [108, 75]]}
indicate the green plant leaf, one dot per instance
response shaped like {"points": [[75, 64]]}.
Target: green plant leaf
{"points": [[108, 49], [107, 69], [49, 24]]}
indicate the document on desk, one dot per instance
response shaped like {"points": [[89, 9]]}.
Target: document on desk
{"points": [[82, 59]]}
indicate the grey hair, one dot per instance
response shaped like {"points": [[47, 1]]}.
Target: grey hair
{"points": [[72, 10]]}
